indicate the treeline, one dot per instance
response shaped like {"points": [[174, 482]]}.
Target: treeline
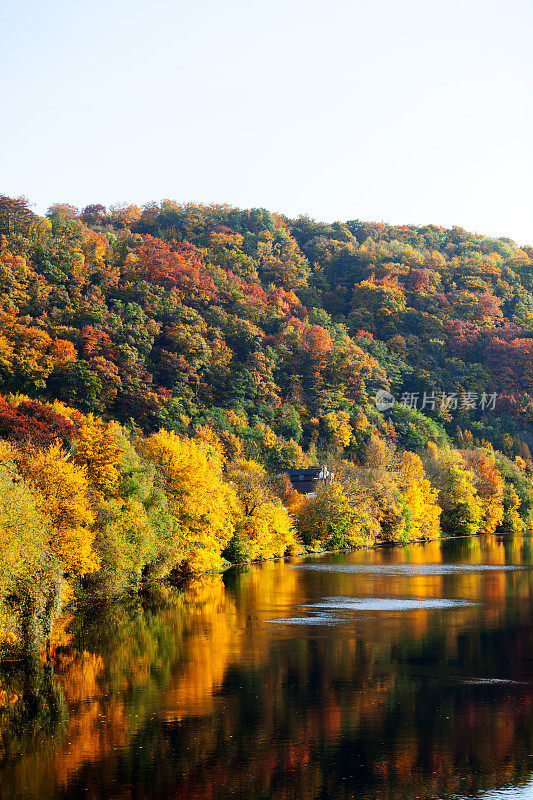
{"points": [[91, 509]]}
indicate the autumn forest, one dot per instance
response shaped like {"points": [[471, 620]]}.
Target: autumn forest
{"points": [[163, 367]]}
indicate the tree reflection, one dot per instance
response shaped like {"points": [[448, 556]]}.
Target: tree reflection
{"points": [[192, 695], [32, 709]]}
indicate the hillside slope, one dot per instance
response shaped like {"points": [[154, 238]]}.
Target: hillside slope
{"points": [[167, 314]]}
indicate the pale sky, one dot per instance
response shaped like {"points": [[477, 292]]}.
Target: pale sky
{"points": [[403, 111]]}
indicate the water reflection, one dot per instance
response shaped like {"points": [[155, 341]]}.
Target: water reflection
{"points": [[397, 673]]}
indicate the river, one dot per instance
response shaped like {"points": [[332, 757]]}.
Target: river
{"points": [[389, 673]]}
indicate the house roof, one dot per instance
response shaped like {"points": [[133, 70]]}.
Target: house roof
{"points": [[304, 480]]}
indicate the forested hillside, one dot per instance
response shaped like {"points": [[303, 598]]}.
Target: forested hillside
{"points": [[168, 314], [165, 363]]}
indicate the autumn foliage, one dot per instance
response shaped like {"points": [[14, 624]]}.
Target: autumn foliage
{"points": [[163, 367]]}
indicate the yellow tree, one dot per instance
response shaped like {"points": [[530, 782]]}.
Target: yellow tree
{"points": [[205, 435], [377, 453], [263, 527], [64, 489], [462, 509], [391, 507], [201, 502], [97, 450], [421, 498], [337, 425], [490, 488]]}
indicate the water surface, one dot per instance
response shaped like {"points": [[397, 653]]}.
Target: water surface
{"points": [[399, 673]]}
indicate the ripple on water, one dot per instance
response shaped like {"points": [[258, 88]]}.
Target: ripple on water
{"points": [[316, 619], [366, 605], [492, 682], [520, 792], [388, 603], [409, 569]]}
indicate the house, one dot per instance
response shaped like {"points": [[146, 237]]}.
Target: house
{"points": [[305, 480]]}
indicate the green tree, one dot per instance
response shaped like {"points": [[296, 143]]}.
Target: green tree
{"points": [[30, 576]]}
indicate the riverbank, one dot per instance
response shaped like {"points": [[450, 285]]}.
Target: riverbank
{"points": [[118, 511]]}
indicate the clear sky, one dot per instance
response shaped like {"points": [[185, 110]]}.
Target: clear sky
{"points": [[403, 111]]}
